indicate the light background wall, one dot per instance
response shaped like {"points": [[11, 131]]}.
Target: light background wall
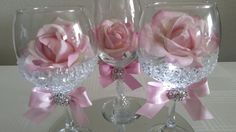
{"points": [[7, 10]]}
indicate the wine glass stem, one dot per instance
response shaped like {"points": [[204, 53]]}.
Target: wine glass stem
{"points": [[69, 123], [121, 128], [171, 122], [120, 89], [120, 101], [120, 98]]}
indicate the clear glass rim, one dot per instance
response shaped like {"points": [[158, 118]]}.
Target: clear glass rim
{"points": [[48, 9], [42, 9], [182, 3]]}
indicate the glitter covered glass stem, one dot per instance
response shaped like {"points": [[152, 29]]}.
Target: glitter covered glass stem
{"points": [[121, 128], [69, 124], [171, 122], [120, 103], [120, 91], [120, 110]]}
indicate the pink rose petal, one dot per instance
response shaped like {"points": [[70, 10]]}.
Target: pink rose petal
{"points": [[163, 19], [174, 48], [63, 52], [84, 47], [149, 44], [73, 58], [58, 45], [178, 37], [52, 29], [116, 37]]}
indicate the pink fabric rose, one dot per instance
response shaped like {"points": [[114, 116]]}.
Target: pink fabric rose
{"points": [[178, 37], [115, 37], [60, 44]]}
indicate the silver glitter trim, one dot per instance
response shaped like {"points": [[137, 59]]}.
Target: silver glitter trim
{"points": [[117, 73], [177, 94], [61, 99]]}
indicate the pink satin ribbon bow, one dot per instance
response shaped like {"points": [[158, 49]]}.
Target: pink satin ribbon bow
{"points": [[157, 99], [106, 74], [42, 104]]}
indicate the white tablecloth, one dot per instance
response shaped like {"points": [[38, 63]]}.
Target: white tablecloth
{"points": [[15, 91]]}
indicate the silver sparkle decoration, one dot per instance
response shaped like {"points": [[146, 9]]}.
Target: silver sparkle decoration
{"points": [[176, 76], [177, 94], [59, 80], [61, 99], [117, 73]]}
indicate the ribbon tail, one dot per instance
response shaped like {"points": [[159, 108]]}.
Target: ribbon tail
{"points": [[37, 115], [196, 109], [79, 115], [150, 110], [131, 82], [105, 81]]}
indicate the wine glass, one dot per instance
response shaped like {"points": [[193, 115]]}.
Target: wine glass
{"points": [[54, 51], [116, 39], [178, 47]]}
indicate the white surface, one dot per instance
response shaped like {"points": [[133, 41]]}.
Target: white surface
{"points": [[15, 92]]}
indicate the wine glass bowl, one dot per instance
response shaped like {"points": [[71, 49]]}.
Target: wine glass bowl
{"points": [[174, 76], [167, 67], [178, 46], [116, 30], [52, 75], [127, 59]]}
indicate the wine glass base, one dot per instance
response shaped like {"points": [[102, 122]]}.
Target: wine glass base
{"points": [[162, 128], [61, 126], [98, 124], [74, 129], [123, 116]]}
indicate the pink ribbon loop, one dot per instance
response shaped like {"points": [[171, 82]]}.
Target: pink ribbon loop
{"points": [[158, 98], [41, 104], [106, 74]]}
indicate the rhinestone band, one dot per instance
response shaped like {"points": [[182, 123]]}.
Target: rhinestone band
{"points": [[61, 99], [177, 94], [117, 73]]}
